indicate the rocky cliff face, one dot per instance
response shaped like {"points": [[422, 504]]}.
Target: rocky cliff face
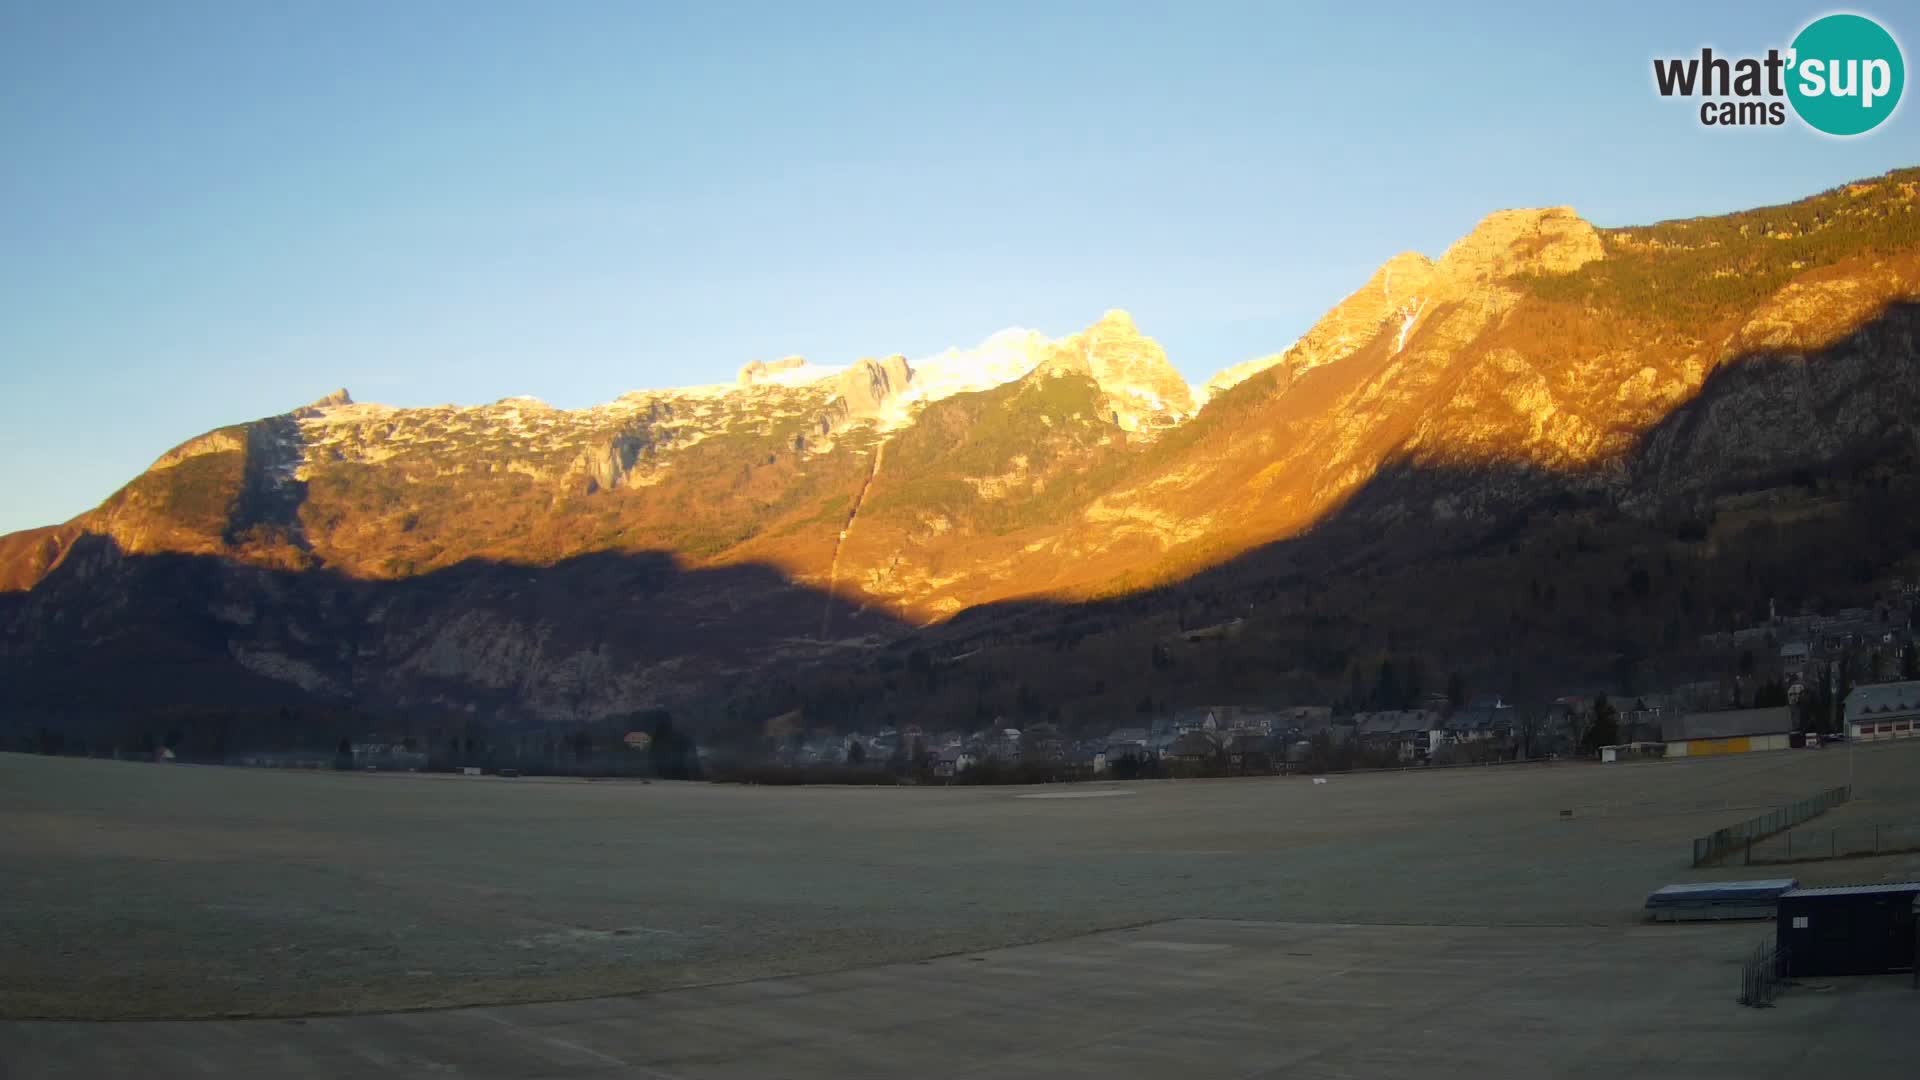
{"points": [[1143, 391], [546, 563], [865, 389]]}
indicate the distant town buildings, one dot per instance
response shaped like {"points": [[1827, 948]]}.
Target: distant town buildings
{"points": [[1782, 682]]}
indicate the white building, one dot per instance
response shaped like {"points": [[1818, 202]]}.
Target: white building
{"points": [[1884, 711]]}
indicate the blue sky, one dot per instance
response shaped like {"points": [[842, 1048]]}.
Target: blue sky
{"points": [[212, 212]]}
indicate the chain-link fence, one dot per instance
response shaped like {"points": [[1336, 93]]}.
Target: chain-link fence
{"points": [[1806, 844], [1722, 842], [1764, 975]]}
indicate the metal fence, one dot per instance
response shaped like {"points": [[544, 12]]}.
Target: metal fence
{"points": [[1764, 975], [1806, 845], [1739, 837]]}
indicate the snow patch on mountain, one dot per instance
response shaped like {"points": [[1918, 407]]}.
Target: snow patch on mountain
{"points": [[1002, 358]]}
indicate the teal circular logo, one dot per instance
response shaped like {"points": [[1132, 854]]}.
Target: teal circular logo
{"points": [[1846, 75]]}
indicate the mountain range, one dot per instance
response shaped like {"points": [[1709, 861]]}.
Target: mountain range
{"points": [[1553, 455]]}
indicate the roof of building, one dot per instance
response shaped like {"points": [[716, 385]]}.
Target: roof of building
{"points": [[1250, 720], [1878, 698], [1373, 723], [1193, 744], [1479, 719], [1699, 891], [1416, 720], [1729, 724], [1856, 890]]}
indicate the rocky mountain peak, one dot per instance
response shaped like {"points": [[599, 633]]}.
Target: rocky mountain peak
{"points": [[1554, 240], [1405, 288], [338, 399], [1401, 277], [1142, 388], [759, 371]]}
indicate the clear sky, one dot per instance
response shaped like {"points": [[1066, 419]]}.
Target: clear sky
{"points": [[211, 212]]}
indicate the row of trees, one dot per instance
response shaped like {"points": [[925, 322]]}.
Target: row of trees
{"points": [[237, 736]]}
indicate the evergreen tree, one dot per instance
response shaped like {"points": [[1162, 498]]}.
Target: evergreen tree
{"points": [[1605, 729]]}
